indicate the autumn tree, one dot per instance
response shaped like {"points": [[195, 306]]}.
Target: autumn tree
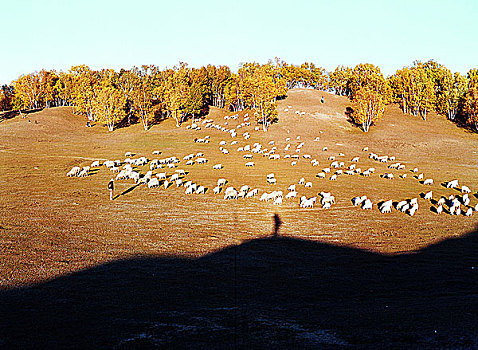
{"points": [[108, 103], [175, 93], [6, 97], [414, 89], [29, 90], [261, 88], [84, 81], [471, 99], [199, 92], [450, 93], [127, 82], [369, 76], [340, 80], [368, 107], [219, 78]]}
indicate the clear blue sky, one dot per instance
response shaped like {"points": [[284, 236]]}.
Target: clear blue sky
{"points": [[56, 34]]}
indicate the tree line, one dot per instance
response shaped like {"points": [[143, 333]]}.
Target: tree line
{"points": [[146, 94]]}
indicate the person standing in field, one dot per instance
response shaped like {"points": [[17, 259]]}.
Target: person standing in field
{"points": [[111, 187]]}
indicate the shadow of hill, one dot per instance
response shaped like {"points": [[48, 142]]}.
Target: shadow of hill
{"points": [[264, 293]]}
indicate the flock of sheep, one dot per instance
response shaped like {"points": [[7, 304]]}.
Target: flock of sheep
{"points": [[129, 169]]}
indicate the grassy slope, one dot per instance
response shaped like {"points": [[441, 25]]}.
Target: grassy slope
{"points": [[52, 225]]}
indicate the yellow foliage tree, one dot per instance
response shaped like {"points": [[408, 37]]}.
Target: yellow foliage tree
{"points": [[142, 95], [109, 102], [471, 99], [340, 79], [368, 107]]}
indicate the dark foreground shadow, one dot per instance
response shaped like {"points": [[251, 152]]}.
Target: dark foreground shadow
{"points": [[273, 293]]}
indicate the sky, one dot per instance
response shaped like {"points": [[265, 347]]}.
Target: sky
{"points": [[58, 34]]}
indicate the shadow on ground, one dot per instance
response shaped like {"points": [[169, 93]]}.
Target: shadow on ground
{"points": [[265, 293]]}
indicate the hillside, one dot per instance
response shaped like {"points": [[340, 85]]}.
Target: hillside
{"points": [[52, 224]]}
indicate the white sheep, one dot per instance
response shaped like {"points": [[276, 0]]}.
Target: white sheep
{"points": [[161, 176], [321, 175], [428, 195], [469, 212], [301, 181], [250, 164], [308, 203], [74, 171], [328, 199], [201, 190], [387, 203], [272, 180], [217, 166], [278, 201], [333, 177], [452, 184], [358, 200], [221, 182], [95, 164], [401, 204], [179, 182], [465, 189], [217, 190], [294, 163], [84, 172], [291, 188], [412, 211], [439, 209], [386, 209], [420, 177], [174, 177], [428, 182], [252, 193], [244, 188], [154, 182], [308, 184], [292, 194], [367, 204]]}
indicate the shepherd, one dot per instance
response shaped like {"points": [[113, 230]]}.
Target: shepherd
{"points": [[111, 187]]}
